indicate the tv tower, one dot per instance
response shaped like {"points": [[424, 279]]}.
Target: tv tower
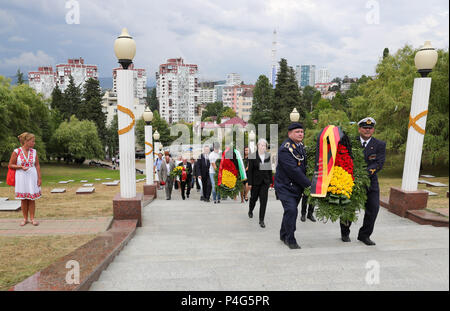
{"points": [[273, 71]]}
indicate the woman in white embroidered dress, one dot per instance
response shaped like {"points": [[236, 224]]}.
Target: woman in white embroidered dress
{"points": [[28, 176]]}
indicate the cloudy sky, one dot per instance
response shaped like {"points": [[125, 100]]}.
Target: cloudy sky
{"points": [[346, 36]]}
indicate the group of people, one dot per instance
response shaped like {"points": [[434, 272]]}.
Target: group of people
{"points": [[291, 180]]}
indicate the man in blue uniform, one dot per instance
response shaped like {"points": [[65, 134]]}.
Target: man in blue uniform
{"points": [[290, 180], [374, 155]]}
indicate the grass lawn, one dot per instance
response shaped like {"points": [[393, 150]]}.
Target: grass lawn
{"points": [[23, 256], [70, 205]]}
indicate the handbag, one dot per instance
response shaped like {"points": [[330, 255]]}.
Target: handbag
{"points": [[11, 176]]}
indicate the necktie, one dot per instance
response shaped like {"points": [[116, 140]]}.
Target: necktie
{"points": [[364, 144]]}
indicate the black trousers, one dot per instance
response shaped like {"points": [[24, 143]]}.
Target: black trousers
{"points": [[206, 187], [184, 185], [288, 224], [259, 192], [305, 206], [370, 216]]}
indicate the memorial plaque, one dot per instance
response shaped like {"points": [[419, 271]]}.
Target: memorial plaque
{"points": [[58, 190], [111, 183], [9, 206], [63, 182], [83, 180], [431, 193], [88, 185], [85, 190]]}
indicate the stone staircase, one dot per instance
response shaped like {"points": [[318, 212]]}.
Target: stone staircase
{"points": [[193, 245]]}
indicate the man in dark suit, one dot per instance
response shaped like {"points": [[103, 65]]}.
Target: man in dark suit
{"points": [[186, 183], [374, 155], [290, 180], [203, 165], [259, 180]]}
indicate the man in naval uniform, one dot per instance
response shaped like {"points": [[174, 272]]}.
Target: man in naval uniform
{"points": [[374, 155], [290, 180]]}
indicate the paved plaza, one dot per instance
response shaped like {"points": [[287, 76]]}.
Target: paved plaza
{"points": [[193, 245]]}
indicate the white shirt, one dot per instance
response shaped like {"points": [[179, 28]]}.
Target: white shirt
{"points": [[213, 156], [262, 157], [168, 167], [362, 141]]}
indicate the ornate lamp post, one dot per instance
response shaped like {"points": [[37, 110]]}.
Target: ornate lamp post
{"points": [[157, 143], [251, 138], [425, 60], [148, 117], [409, 197], [294, 115], [127, 205]]}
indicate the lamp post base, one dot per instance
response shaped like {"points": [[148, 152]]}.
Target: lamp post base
{"points": [[128, 208], [150, 190], [400, 201]]}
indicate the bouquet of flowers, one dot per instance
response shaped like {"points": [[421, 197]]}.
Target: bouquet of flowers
{"points": [[177, 171], [339, 176]]}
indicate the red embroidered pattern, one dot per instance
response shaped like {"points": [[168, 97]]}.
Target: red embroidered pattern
{"points": [[30, 161], [28, 196]]}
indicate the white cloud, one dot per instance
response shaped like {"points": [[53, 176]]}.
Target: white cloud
{"points": [[28, 59], [16, 39]]}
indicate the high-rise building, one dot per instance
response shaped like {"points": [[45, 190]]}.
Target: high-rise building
{"points": [[323, 76], [233, 79], [306, 75], [42, 81], [244, 105], [177, 90], [139, 83], [45, 79], [231, 94], [76, 68]]}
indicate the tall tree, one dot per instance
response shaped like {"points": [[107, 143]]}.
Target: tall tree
{"points": [[72, 100], [91, 107], [286, 97], [19, 76], [112, 137], [385, 53], [152, 100], [213, 109], [57, 99], [262, 102]]}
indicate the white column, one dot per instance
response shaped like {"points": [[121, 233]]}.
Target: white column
{"points": [[419, 103], [125, 98], [149, 154]]}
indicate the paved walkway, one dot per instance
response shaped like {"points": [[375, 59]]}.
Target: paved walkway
{"points": [[193, 245], [11, 227]]}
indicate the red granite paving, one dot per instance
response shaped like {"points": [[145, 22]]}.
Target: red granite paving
{"points": [[11, 227], [443, 211]]}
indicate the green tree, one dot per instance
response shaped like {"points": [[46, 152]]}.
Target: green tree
{"points": [[262, 102], [152, 100], [91, 107], [19, 76], [213, 109], [79, 140], [228, 113], [72, 100], [162, 127], [286, 98], [388, 100], [57, 99], [308, 95], [322, 105], [385, 53], [112, 137]]}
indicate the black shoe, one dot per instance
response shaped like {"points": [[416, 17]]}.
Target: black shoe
{"points": [[367, 241], [184, 198], [207, 200], [250, 214], [311, 217], [303, 218], [294, 246], [202, 199], [187, 196], [261, 223], [218, 201], [345, 238], [215, 201]]}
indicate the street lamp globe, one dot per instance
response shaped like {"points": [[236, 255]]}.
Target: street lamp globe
{"points": [[251, 136], [426, 59], [156, 135], [294, 115], [147, 116], [125, 48]]}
